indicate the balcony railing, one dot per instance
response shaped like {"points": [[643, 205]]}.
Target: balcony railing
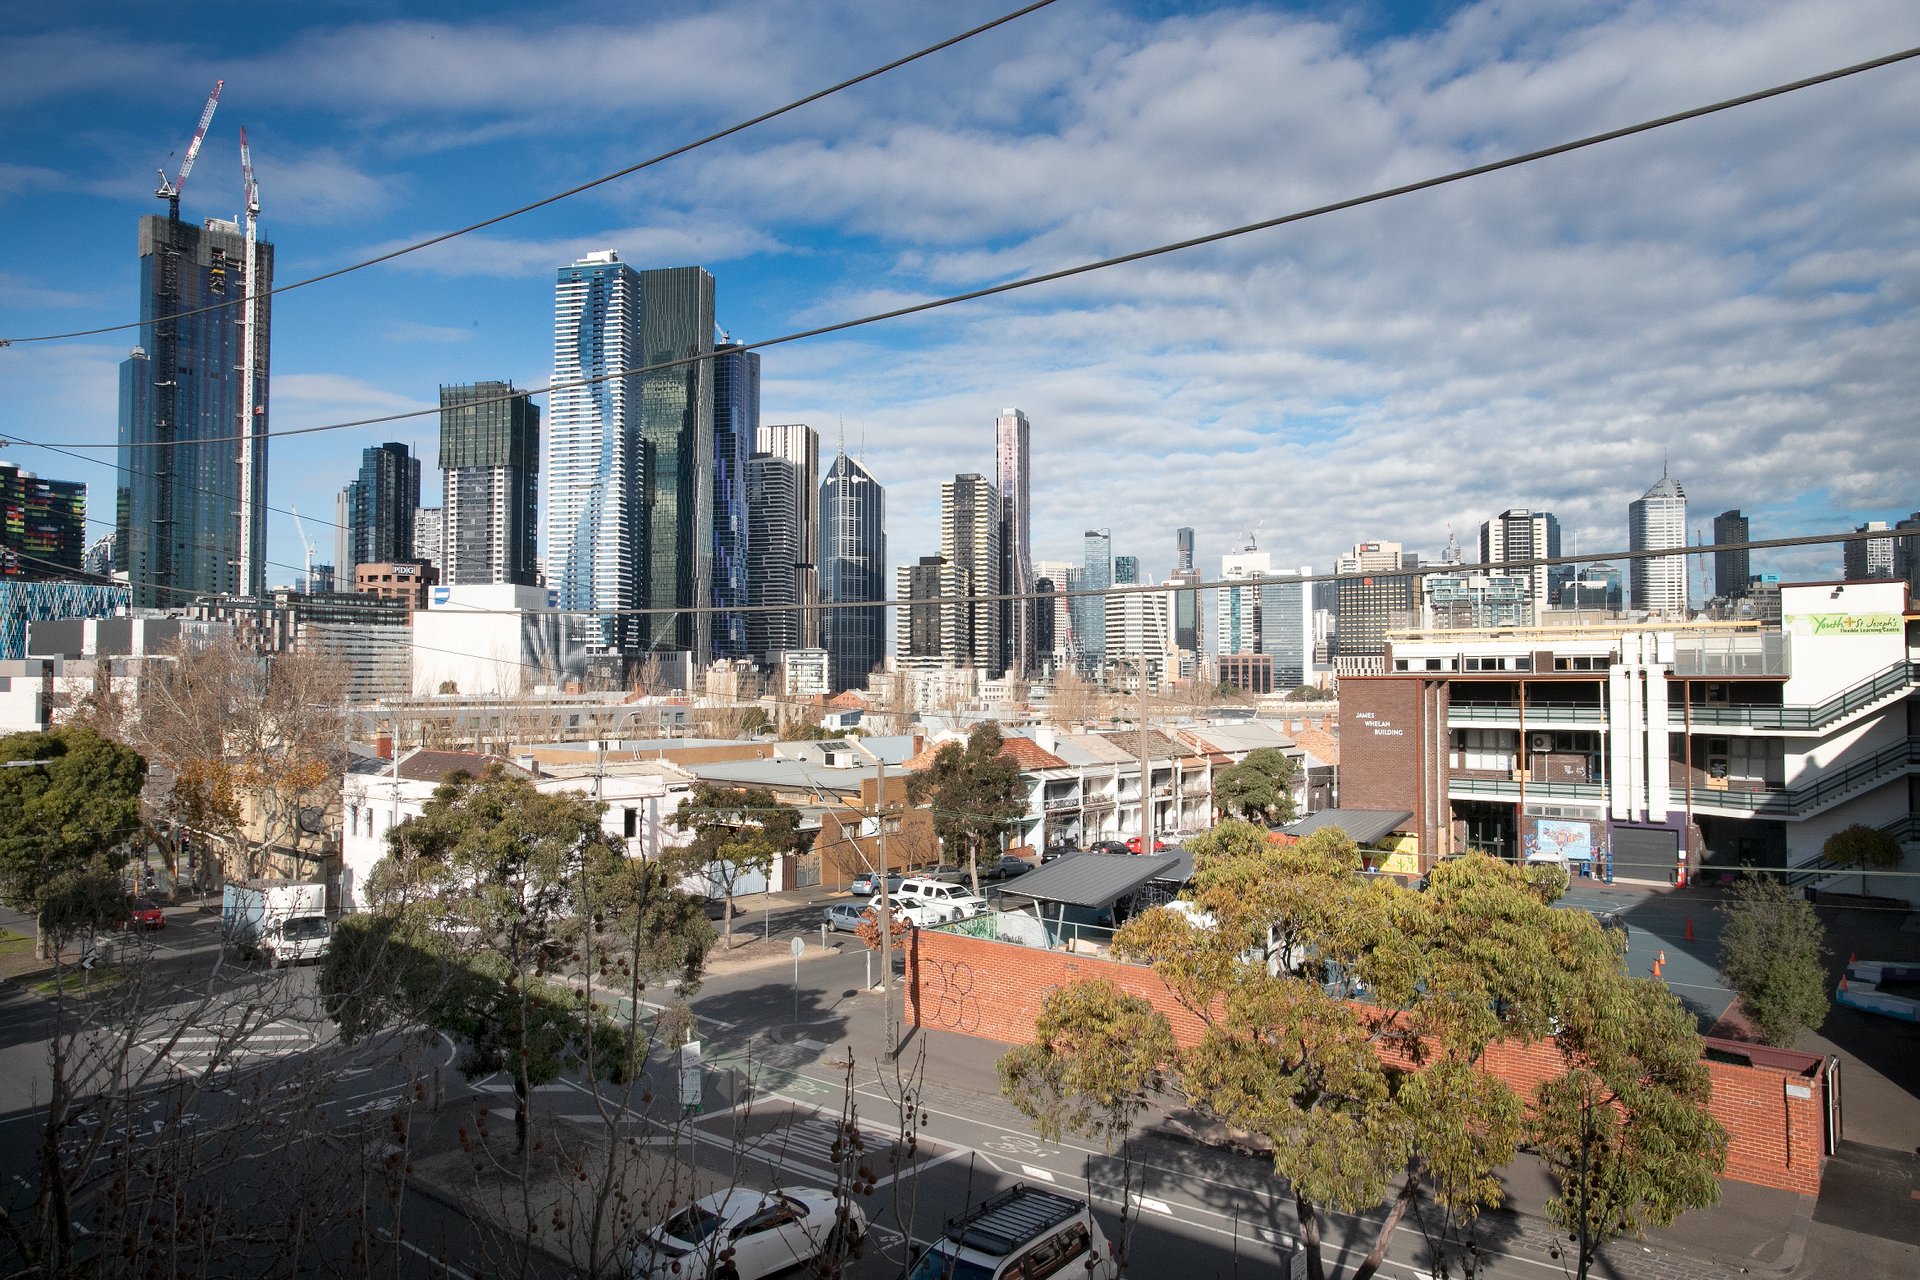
{"points": [[1829, 787], [1055, 804], [1881, 685], [1537, 712], [1735, 655], [1535, 790]]}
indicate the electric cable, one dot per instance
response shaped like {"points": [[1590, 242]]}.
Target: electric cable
{"points": [[570, 192], [1102, 264]]}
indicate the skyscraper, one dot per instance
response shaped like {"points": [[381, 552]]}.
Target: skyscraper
{"points": [[853, 568], [676, 434], [1090, 611], [593, 451], [1372, 601], [799, 445], [183, 445], [1058, 610], [1242, 625], [1287, 629], [970, 528], [1656, 521], [1731, 568], [1012, 462], [1186, 604], [490, 454], [775, 557], [1518, 535], [1906, 556], [43, 525], [380, 506], [1868, 557], [1126, 571], [736, 419]]}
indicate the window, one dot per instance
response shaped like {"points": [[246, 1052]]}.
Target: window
{"points": [[1055, 1254]]}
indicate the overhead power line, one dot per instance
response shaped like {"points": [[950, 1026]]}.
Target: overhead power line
{"points": [[1085, 268], [570, 192]]}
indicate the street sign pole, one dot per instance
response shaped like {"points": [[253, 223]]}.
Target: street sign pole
{"points": [[799, 949]]}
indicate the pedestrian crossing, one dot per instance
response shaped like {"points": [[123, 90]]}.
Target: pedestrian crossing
{"points": [[200, 1050]]}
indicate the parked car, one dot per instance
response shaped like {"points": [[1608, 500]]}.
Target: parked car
{"points": [[922, 913], [1110, 846], [946, 871], [1006, 869], [1134, 843], [960, 904], [1023, 1231], [144, 913], [845, 917], [762, 1233], [863, 884]]}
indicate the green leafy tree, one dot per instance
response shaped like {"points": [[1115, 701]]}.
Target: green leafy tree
{"points": [[1259, 788], [1772, 954], [736, 832], [1867, 848], [1097, 1058], [495, 914], [975, 793], [1386, 1102], [60, 817]]}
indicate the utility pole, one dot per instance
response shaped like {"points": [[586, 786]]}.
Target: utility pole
{"points": [[1146, 768], [886, 907]]}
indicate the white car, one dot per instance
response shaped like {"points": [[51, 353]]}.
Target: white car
{"points": [[744, 1233], [960, 904]]}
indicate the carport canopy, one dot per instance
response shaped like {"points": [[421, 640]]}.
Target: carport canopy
{"points": [[1363, 826], [1092, 880]]}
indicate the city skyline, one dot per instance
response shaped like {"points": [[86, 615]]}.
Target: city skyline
{"points": [[1346, 378]]}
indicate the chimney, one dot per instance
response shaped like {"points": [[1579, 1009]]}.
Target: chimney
{"points": [[383, 744]]}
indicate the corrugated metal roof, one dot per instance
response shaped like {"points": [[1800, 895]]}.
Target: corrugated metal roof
{"points": [[1091, 879], [1364, 826]]}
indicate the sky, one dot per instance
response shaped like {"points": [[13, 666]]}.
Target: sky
{"points": [[1736, 299]]}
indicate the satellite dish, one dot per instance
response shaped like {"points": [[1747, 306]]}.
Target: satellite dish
{"points": [[312, 820]]}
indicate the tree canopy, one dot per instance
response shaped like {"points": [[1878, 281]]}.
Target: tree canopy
{"points": [[1772, 954], [1386, 1100], [495, 914], [1259, 788], [1867, 848], [975, 793], [60, 818], [736, 831]]}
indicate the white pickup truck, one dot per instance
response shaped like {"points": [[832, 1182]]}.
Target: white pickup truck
{"points": [[954, 898]]}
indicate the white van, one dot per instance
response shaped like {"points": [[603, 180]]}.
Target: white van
{"points": [[960, 904], [1025, 1232]]}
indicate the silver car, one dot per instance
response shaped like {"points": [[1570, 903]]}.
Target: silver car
{"points": [[845, 917]]}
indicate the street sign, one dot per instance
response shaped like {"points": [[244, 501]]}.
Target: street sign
{"points": [[690, 1075], [799, 946]]}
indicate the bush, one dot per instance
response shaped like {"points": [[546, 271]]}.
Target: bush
{"points": [[1772, 954]]}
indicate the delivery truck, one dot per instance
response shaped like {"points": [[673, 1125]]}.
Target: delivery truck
{"points": [[279, 921]]}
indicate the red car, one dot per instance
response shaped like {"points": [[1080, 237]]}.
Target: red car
{"points": [[1133, 845], [142, 913]]}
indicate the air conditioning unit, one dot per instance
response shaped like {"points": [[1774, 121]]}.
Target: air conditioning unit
{"points": [[1540, 742]]}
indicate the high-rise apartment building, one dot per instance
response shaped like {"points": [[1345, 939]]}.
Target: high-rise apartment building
{"points": [[853, 569], [43, 525], [1286, 614], [1906, 556], [1657, 521], [775, 557], [1090, 611], [193, 426], [1056, 616], [380, 505], [1012, 436], [630, 458], [798, 445], [1517, 535], [930, 616], [970, 528], [1241, 607], [1374, 598], [1139, 632], [1868, 557], [1126, 571], [593, 460], [1731, 569], [430, 538], [1186, 604], [736, 420], [490, 456]]}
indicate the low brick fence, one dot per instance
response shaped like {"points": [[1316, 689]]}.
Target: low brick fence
{"points": [[1772, 1102]]}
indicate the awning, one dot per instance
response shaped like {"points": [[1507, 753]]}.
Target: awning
{"points": [[1363, 826]]}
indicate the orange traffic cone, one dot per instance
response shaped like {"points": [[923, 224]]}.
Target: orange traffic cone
{"points": [[1689, 928], [1656, 965], [1843, 982], [1663, 957]]}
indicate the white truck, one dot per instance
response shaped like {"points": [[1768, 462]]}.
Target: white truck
{"points": [[959, 904], [280, 921]]}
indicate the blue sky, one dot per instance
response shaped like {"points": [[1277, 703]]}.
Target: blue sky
{"points": [[1738, 295]]}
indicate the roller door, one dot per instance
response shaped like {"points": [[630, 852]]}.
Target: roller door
{"points": [[1646, 854]]}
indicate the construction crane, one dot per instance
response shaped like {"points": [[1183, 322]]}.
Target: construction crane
{"points": [[306, 542], [170, 191], [252, 442]]}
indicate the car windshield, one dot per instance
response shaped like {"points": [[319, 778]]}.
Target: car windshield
{"points": [[305, 927], [692, 1224], [141, 904], [937, 1264]]}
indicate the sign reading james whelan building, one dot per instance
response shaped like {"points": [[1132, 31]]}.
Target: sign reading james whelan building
{"points": [[1382, 727], [1844, 624]]}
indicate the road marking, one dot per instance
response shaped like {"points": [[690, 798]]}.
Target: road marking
{"points": [[1158, 1206], [441, 1263], [1045, 1175]]}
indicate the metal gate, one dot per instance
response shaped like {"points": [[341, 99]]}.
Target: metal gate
{"points": [[1833, 1104], [806, 871], [1643, 854]]}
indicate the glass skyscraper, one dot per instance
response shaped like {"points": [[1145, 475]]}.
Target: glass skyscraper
{"points": [[853, 569], [490, 453], [380, 506], [1090, 612], [736, 419], [43, 525], [676, 477], [1012, 477], [178, 498]]}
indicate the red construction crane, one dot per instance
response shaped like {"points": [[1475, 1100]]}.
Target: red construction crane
{"points": [[170, 191]]}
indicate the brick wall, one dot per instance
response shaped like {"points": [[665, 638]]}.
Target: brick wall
{"points": [[994, 990], [1379, 743]]}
